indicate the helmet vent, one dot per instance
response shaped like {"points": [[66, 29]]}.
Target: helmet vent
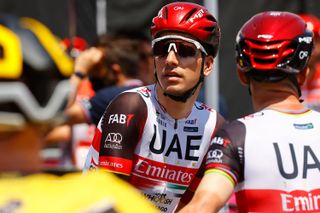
{"points": [[189, 14], [165, 15], [209, 29], [266, 55], [264, 61]]}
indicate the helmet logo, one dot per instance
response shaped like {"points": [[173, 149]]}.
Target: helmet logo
{"points": [[275, 13], [178, 8], [199, 14], [303, 54], [307, 40], [266, 36]]}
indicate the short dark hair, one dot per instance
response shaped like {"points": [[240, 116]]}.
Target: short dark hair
{"points": [[120, 50]]}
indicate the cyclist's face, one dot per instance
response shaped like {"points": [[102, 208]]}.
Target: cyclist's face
{"points": [[178, 65]]}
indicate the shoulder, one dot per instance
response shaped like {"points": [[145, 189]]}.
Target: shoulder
{"points": [[130, 99], [206, 110], [127, 103], [234, 129], [258, 116]]}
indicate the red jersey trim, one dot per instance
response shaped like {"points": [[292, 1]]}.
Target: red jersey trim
{"points": [[96, 139], [163, 172], [115, 164], [278, 200]]}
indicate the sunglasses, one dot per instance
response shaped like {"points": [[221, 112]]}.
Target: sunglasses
{"points": [[184, 47]]}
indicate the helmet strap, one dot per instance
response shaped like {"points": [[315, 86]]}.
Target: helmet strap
{"points": [[184, 97]]}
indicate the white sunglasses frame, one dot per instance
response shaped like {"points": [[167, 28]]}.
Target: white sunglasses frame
{"points": [[192, 41]]}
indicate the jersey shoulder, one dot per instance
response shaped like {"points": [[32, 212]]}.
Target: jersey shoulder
{"points": [[129, 99], [204, 107], [232, 129]]}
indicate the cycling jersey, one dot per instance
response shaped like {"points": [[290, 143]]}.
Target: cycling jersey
{"points": [[275, 159], [162, 156], [70, 193]]}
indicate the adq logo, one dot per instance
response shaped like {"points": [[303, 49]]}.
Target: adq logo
{"points": [[217, 153], [114, 138]]}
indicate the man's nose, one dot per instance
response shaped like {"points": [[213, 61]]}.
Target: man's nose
{"points": [[172, 57]]}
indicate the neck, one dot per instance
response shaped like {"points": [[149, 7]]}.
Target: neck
{"points": [[281, 101], [176, 109]]}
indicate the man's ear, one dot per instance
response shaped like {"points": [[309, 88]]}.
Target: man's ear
{"points": [[208, 65], [242, 78], [303, 76]]}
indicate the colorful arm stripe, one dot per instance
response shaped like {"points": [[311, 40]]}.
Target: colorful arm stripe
{"points": [[225, 173]]}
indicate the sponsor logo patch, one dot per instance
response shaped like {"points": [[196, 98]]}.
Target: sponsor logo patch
{"points": [[192, 122], [113, 141], [215, 156], [190, 129], [164, 172], [120, 119], [303, 126]]}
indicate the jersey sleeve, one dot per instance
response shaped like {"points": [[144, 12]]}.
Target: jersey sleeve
{"points": [[118, 134], [225, 154]]}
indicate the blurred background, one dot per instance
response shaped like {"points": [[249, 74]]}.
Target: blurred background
{"points": [[89, 18]]}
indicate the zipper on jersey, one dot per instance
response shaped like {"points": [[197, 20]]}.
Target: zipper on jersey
{"points": [[175, 124]]}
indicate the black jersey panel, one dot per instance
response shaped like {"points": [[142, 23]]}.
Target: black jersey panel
{"points": [[122, 125]]}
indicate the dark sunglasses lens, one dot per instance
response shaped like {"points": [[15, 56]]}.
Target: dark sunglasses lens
{"points": [[160, 48], [186, 50]]}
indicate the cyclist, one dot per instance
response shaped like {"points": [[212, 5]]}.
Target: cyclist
{"points": [[34, 87], [271, 156], [156, 136]]}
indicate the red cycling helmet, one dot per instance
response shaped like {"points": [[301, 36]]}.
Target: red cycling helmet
{"points": [[313, 24], [274, 41], [191, 19]]}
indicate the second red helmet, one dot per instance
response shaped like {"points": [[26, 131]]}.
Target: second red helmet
{"points": [[274, 41]]}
